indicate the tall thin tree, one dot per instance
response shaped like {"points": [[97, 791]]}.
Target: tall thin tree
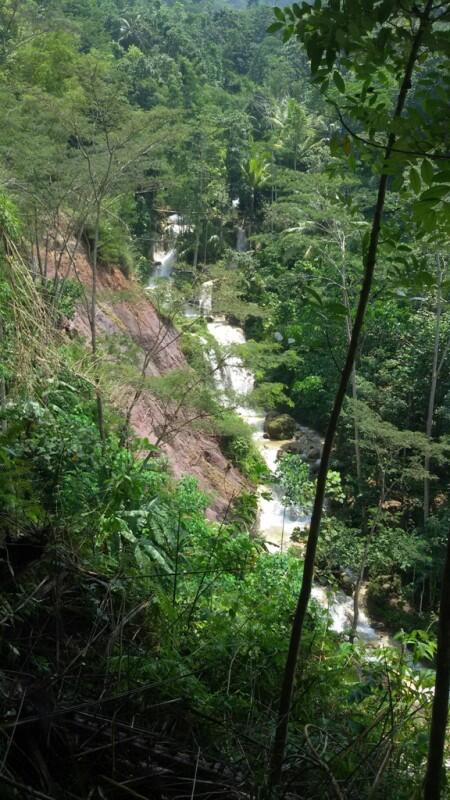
{"points": [[319, 26]]}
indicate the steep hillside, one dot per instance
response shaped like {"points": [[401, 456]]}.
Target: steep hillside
{"points": [[125, 311]]}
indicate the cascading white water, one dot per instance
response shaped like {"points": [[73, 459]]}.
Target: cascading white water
{"points": [[340, 609], [164, 264], [205, 298], [276, 523], [235, 382], [165, 260], [176, 225], [241, 241]]}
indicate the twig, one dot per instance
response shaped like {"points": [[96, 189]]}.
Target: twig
{"points": [[381, 769], [380, 146], [28, 789], [123, 788], [195, 775], [323, 764], [10, 741]]}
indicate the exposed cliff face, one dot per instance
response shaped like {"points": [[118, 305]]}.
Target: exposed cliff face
{"points": [[123, 308]]}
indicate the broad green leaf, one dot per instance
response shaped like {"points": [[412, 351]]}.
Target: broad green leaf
{"points": [[315, 295], [414, 179], [427, 171], [423, 278], [336, 309], [442, 177], [435, 194], [339, 81], [429, 221]]}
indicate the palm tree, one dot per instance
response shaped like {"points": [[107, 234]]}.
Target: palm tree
{"points": [[256, 171], [298, 131]]}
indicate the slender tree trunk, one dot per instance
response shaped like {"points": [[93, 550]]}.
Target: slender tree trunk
{"points": [[197, 245], [433, 777], [205, 248], [38, 249], [2, 385], [281, 731], [45, 267], [363, 564], [272, 190], [348, 323], [252, 209], [356, 429], [357, 594], [201, 206], [177, 556], [93, 323], [432, 398]]}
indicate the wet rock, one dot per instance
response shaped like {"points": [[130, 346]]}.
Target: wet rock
{"points": [[293, 447], [269, 417], [266, 436], [281, 427], [348, 581], [313, 453]]}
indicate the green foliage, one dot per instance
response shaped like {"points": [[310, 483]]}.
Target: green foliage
{"points": [[113, 118], [115, 246], [244, 511], [244, 454], [10, 226], [236, 441], [48, 61], [293, 476], [298, 489], [270, 396], [63, 296]]}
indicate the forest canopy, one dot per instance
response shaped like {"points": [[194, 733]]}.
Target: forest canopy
{"points": [[224, 399]]}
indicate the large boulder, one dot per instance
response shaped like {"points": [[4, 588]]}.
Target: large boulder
{"points": [[281, 427]]}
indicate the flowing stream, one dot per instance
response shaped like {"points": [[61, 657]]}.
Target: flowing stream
{"points": [[276, 523], [165, 255]]}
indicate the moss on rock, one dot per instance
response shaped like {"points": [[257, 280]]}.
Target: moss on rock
{"points": [[281, 427]]}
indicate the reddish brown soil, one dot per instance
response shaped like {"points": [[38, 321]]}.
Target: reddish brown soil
{"points": [[124, 310]]}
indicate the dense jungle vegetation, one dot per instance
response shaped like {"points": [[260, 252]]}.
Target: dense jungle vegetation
{"points": [[151, 646]]}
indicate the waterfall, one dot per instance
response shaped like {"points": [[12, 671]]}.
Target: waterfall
{"points": [[235, 382], [233, 379], [164, 260], [276, 522], [164, 264], [340, 609], [176, 225], [205, 298], [241, 241]]}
